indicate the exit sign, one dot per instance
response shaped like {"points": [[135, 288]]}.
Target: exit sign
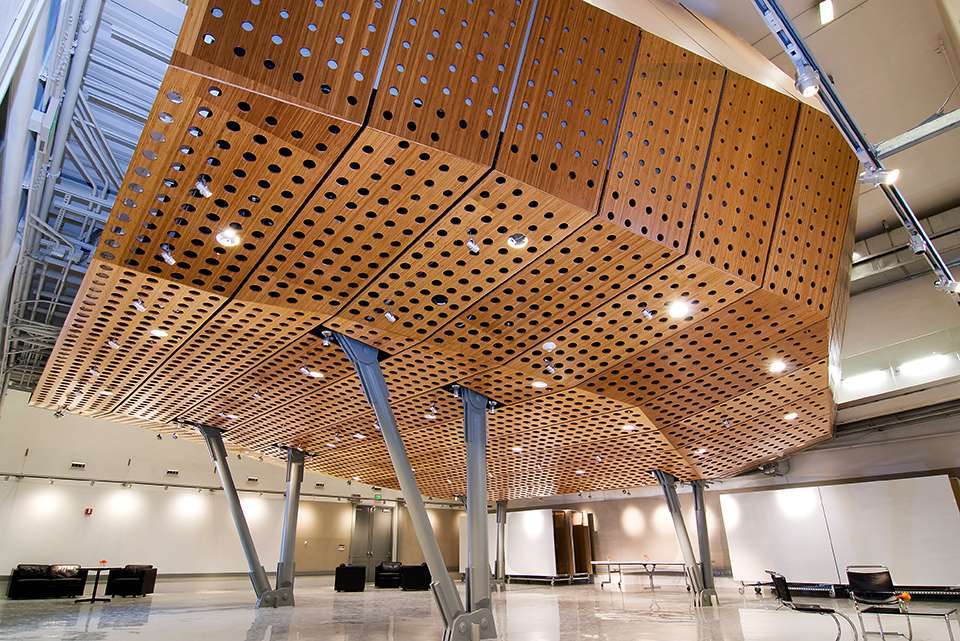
{"points": [[378, 497]]}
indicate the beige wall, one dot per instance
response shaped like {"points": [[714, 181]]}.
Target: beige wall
{"points": [[323, 527], [446, 525], [641, 528]]}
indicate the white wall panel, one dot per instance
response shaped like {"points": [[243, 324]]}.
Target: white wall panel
{"points": [[782, 530], [912, 526], [491, 541], [530, 548]]}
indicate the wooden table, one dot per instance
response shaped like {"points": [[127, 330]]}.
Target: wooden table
{"points": [[93, 598], [648, 566]]}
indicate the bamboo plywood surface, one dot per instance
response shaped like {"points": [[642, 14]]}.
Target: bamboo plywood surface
{"points": [[611, 238]]}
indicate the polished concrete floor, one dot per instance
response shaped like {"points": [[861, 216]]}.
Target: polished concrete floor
{"points": [[222, 612]]}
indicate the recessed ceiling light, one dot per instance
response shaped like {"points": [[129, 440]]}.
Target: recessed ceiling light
{"points": [[331, 445], [228, 237], [790, 416], [518, 241], [159, 333], [516, 450], [700, 451], [230, 417], [104, 392], [359, 436], [777, 366], [579, 472], [679, 309], [549, 346], [439, 300], [93, 371], [539, 385], [826, 12], [629, 427]]}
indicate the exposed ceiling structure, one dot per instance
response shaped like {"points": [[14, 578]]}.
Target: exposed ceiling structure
{"points": [[633, 250]]}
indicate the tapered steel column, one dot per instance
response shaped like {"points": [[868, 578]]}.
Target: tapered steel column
{"points": [[288, 536], [365, 361], [668, 483], [501, 541], [478, 552], [258, 576], [703, 538]]}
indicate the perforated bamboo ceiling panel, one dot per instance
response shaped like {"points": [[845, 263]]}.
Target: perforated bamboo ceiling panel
{"points": [[637, 253]]}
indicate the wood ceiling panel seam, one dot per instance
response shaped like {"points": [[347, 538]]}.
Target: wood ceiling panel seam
{"points": [[230, 297]]}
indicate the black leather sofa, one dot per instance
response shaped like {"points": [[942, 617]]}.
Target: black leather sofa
{"points": [[350, 578], [387, 575], [36, 581], [132, 580], [415, 577]]}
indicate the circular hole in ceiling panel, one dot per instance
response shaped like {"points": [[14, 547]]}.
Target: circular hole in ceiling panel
{"points": [[419, 370], [238, 337], [658, 161], [232, 164], [559, 407], [449, 72], [815, 208], [590, 266], [383, 193], [564, 115], [797, 350], [500, 227], [321, 54], [336, 403], [134, 322], [729, 334], [741, 188]]}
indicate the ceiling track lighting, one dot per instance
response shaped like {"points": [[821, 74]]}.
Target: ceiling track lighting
{"points": [[491, 407], [647, 313], [548, 367], [807, 81], [878, 176], [139, 306], [390, 316], [203, 187], [112, 344], [166, 253], [327, 336]]}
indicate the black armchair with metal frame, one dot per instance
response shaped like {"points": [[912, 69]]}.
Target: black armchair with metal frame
{"points": [[873, 592], [782, 590]]}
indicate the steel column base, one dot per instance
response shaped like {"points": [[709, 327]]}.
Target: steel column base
{"points": [[464, 626], [276, 598]]}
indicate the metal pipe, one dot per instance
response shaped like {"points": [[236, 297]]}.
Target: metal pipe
{"points": [[364, 359], [478, 553], [501, 540], [703, 538], [668, 483], [288, 535], [258, 576]]}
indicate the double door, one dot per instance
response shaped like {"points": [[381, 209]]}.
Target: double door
{"points": [[372, 539]]}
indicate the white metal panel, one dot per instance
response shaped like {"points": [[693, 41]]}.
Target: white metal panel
{"points": [[491, 542], [909, 525], [782, 530], [529, 540]]}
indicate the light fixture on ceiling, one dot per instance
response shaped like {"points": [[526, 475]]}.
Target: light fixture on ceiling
{"points": [[229, 417], [139, 306], [700, 451], [790, 416], [431, 414], [331, 445], [356, 478], [166, 253], [472, 242], [516, 450], [826, 12], [359, 436], [93, 372], [518, 241], [549, 346], [876, 176], [327, 336], [203, 187], [548, 367], [727, 423], [539, 385], [629, 427], [112, 344], [579, 472], [491, 407], [312, 373], [924, 366], [808, 81], [228, 237], [866, 380], [390, 316], [679, 309], [647, 313], [777, 366], [105, 392], [159, 333]]}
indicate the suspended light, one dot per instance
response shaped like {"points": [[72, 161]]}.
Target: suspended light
{"points": [[678, 309], [876, 177], [777, 366], [518, 241], [228, 237], [808, 81]]}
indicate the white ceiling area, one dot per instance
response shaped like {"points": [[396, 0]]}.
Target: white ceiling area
{"points": [[893, 65]]}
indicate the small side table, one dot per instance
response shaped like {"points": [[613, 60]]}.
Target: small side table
{"points": [[96, 582]]}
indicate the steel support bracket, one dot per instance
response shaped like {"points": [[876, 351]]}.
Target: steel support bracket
{"points": [[465, 626]]}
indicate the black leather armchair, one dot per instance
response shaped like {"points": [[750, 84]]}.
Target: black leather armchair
{"points": [[36, 581], [387, 575], [415, 577], [132, 580]]}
